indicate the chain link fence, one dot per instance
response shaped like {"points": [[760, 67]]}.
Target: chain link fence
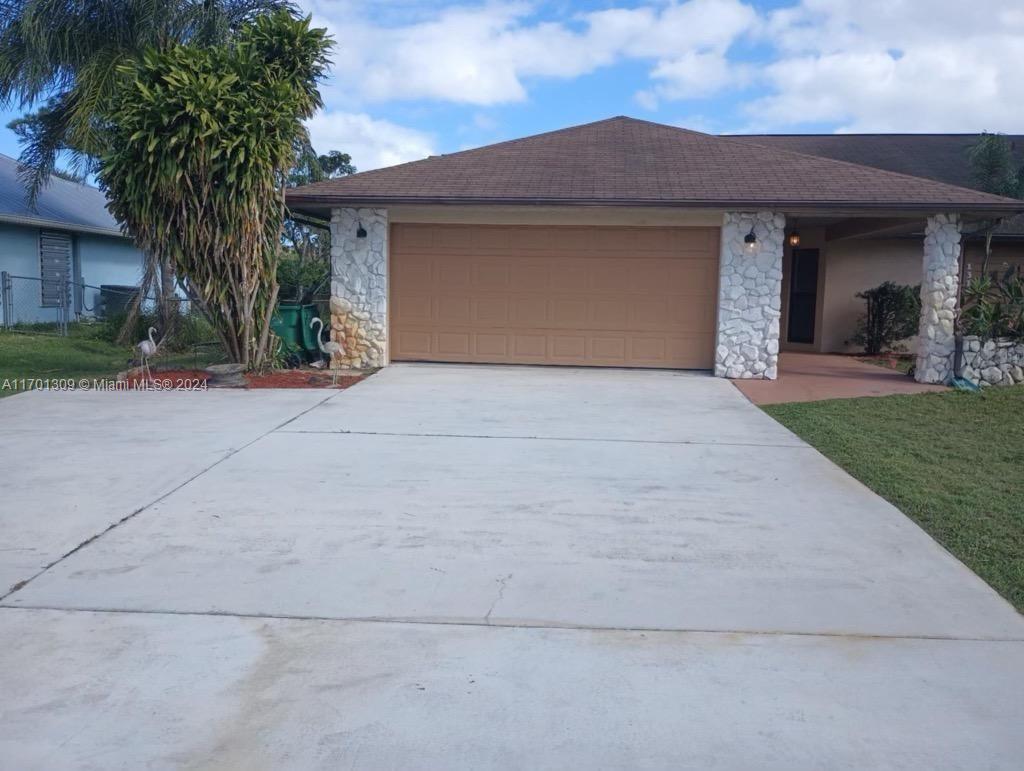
{"points": [[50, 306], [32, 304]]}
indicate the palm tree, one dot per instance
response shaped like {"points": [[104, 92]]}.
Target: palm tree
{"points": [[995, 169], [61, 57]]}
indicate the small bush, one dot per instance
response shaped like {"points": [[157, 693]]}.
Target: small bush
{"points": [[892, 314], [190, 330], [993, 305]]}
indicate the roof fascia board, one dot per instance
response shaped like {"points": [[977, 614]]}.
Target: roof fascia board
{"points": [[40, 222], [797, 208]]}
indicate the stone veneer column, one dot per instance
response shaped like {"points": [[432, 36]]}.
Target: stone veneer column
{"points": [[940, 292], [750, 296], [359, 287]]}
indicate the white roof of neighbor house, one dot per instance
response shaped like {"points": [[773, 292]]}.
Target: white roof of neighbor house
{"points": [[62, 205]]}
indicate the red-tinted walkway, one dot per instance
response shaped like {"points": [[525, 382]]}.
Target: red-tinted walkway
{"points": [[808, 377]]}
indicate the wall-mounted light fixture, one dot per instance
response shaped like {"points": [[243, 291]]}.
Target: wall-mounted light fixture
{"points": [[360, 231], [794, 238], [750, 241]]}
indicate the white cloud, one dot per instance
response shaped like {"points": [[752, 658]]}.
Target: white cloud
{"points": [[695, 75], [860, 65], [485, 54], [878, 65], [372, 143]]}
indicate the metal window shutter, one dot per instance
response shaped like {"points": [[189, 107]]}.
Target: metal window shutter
{"points": [[54, 265]]}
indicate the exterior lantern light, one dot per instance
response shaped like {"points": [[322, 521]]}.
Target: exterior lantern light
{"points": [[794, 238], [360, 231], [750, 242]]}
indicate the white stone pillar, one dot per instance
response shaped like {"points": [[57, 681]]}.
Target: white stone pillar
{"points": [[359, 287], [940, 292], [750, 296]]}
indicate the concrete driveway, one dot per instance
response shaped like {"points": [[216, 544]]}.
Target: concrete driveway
{"points": [[476, 567]]}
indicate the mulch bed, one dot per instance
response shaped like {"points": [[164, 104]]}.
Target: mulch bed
{"points": [[301, 378]]}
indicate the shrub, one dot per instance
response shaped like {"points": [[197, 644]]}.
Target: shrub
{"points": [[190, 329], [993, 305], [892, 314], [301, 280], [202, 138]]}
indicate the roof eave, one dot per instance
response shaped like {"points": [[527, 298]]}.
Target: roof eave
{"points": [[298, 201], [42, 222]]}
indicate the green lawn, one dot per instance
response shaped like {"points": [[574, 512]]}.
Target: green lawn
{"points": [[82, 354], [953, 462]]}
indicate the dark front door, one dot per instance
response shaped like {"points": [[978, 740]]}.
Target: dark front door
{"points": [[803, 296]]}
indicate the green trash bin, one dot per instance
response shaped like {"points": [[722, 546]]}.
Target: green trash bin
{"points": [[306, 315], [291, 324]]}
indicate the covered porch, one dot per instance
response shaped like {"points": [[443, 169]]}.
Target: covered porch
{"points": [[789, 283], [809, 377]]}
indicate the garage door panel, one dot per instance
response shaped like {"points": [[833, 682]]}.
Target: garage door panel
{"points": [[608, 349], [414, 272], [650, 276], [649, 349], [413, 344], [567, 275], [572, 347], [530, 345], [413, 309], [491, 276], [529, 276], [692, 316], [609, 314], [491, 311], [492, 345], [453, 310], [454, 343], [555, 295], [454, 273], [610, 276], [570, 313], [529, 310]]}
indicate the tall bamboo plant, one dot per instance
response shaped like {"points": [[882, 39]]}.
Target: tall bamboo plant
{"points": [[203, 138], [59, 59]]}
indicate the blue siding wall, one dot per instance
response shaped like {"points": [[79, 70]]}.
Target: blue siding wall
{"points": [[98, 260], [19, 256], [19, 250], [106, 260]]}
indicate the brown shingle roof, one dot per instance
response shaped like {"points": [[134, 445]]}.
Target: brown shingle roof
{"points": [[942, 157], [624, 161]]}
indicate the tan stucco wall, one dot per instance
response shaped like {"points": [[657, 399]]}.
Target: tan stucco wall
{"points": [[855, 265]]}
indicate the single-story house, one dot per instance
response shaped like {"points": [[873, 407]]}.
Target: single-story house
{"points": [[634, 244], [67, 236]]}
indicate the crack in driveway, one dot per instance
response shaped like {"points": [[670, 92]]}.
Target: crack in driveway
{"points": [[502, 583], [19, 585]]}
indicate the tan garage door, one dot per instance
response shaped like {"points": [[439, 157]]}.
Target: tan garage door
{"points": [[597, 296]]}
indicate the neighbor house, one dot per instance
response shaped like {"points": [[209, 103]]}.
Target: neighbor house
{"points": [[634, 244], [67, 236]]}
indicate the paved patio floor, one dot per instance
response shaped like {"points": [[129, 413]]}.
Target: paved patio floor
{"points": [[476, 567], [809, 377]]}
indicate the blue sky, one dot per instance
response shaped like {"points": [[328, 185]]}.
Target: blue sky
{"points": [[413, 77]]}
